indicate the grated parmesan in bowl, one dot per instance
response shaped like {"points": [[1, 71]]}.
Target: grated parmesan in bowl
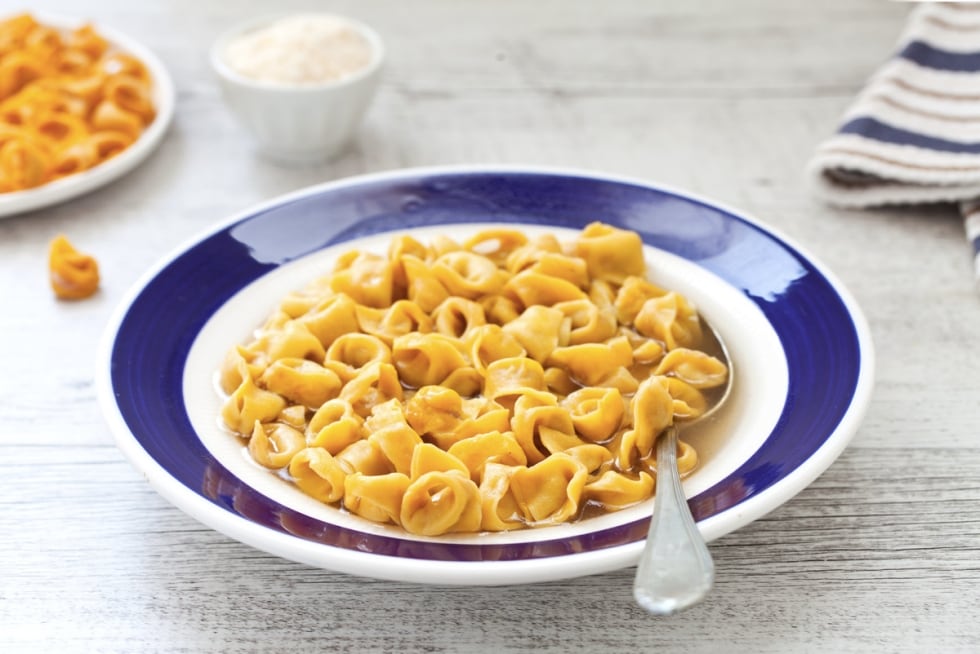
{"points": [[300, 50], [299, 85]]}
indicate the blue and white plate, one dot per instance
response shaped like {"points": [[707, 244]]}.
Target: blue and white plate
{"points": [[801, 352]]}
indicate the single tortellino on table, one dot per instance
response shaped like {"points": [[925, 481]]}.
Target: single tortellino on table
{"points": [[501, 383]]}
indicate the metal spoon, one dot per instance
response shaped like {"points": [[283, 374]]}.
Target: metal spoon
{"points": [[675, 569]]}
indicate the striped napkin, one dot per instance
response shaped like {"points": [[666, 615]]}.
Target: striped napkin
{"points": [[913, 134]]}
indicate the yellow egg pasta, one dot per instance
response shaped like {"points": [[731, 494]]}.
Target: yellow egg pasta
{"points": [[501, 383], [73, 275], [68, 102]]}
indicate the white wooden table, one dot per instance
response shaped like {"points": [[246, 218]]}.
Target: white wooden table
{"points": [[880, 554]]}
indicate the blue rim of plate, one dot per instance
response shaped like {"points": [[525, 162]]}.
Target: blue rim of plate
{"points": [[823, 333]]}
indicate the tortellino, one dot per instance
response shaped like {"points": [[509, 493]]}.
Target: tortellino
{"points": [[73, 275], [502, 383]]}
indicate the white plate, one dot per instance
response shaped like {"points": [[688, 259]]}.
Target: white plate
{"points": [[801, 351], [164, 100]]}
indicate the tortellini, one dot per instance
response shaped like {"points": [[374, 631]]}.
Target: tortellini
{"points": [[73, 275], [69, 101], [502, 383]]}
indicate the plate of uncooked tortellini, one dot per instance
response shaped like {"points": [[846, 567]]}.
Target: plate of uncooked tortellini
{"points": [[80, 105], [457, 375]]}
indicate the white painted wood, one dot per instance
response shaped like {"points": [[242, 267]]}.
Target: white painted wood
{"points": [[881, 554]]}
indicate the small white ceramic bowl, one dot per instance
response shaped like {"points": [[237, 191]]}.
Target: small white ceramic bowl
{"points": [[299, 123]]}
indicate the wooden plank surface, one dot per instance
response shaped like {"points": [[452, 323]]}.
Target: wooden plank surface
{"points": [[880, 554]]}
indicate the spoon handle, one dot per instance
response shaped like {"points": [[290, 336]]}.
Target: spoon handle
{"points": [[675, 569]]}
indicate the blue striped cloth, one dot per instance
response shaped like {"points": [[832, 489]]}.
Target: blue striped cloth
{"points": [[913, 133]]}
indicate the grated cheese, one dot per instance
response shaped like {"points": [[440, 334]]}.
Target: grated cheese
{"points": [[300, 50]]}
